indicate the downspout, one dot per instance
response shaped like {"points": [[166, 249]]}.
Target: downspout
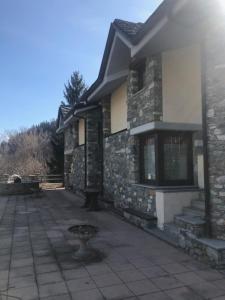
{"points": [[205, 142], [102, 153], [85, 153]]}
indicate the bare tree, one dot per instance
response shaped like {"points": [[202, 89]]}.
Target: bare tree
{"points": [[26, 152]]}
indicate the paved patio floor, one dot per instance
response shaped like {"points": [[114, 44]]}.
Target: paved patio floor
{"points": [[36, 262]]}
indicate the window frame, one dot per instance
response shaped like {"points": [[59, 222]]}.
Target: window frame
{"points": [[159, 137]]}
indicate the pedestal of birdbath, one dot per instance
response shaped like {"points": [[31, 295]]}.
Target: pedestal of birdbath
{"points": [[84, 233]]}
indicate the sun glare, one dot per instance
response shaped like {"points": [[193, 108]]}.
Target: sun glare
{"points": [[222, 4]]}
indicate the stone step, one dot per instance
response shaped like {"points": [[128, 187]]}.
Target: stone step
{"points": [[172, 230], [199, 204], [193, 224], [139, 218], [188, 219], [191, 211]]}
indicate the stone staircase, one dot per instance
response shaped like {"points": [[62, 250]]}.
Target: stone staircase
{"points": [[187, 231], [191, 221]]}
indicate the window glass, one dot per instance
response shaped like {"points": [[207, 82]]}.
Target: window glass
{"points": [[149, 158], [166, 158], [175, 149]]}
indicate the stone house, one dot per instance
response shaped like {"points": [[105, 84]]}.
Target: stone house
{"points": [[149, 133]]}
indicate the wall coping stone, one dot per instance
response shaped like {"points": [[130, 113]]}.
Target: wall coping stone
{"points": [[68, 152], [169, 189], [213, 243], [190, 220]]}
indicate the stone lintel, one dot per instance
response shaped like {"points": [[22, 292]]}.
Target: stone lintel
{"points": [[165, 126]]}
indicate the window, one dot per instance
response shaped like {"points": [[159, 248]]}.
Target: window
{"points": [[166, 158], [140, 69], [118, 109], [149, 158], [81, 132]]}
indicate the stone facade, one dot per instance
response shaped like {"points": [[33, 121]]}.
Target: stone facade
{"points": [[121, 174], [83, 163], [215, 106], [94, 149], [69, 145], [110, 162], [77, 174], [121, 150], [145, 106], [74, 160]]}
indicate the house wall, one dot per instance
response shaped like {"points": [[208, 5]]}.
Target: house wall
{"points": [[77, 176], [214, 61], [94, 149], [121, 150], [120, 172], [74, 160], [119, 109], [70, 141], [181, 85], [145, 106]]}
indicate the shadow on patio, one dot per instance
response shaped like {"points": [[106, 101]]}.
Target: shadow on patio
{"points": [[36, 256]]}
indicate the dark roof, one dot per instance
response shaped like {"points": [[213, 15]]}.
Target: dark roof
{"points": [[130, 29], [133, 32], [163, 9], [63, 111]]}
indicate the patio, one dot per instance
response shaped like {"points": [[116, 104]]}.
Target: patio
{"points": [[36, 262]]}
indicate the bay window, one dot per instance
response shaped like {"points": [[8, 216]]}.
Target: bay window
{"points": [[166, 158]]}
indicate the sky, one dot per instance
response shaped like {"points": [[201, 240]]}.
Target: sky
{"points": [[43, 41]]}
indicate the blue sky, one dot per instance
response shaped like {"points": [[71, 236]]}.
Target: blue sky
{"points": [[42, 42]]}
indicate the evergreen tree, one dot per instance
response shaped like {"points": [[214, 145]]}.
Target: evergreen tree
{"points": [[75, 88]]}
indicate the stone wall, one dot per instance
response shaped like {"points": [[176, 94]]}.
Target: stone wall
{"points": [[70, 143], [121, 174], [215, 105], [77, 176], [67, 170], [121, 150], [145, 106], [94, 149], [19, 188]]}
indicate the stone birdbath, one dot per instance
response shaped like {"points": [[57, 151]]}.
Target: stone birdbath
{"points": [[84, 233]]}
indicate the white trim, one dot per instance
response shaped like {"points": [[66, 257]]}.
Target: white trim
{"points": [[135, 49], [165, 126], [67, 121], [126, 42], [84, 109], [59, 130], [108, 79], [149, 36]]}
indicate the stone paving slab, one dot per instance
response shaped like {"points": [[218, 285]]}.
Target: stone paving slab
{"points": [[36, 257]]}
